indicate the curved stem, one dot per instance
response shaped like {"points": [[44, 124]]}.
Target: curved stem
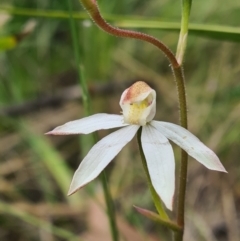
{"points": [[93, 10]]}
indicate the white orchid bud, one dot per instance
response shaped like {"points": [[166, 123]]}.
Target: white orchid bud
{"points": [[138, 104]]}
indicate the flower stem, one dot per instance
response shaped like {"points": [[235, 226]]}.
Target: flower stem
{"points": [[156, 199], [86, 105], [182, 42], [93, 10]]}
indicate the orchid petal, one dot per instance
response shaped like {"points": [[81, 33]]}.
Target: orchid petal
{"points": [[89, 124], [160, 162], [100, 156], [190, 143]]}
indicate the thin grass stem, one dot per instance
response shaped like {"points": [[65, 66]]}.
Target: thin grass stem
{"points": [[110, 207], [182, 41]]}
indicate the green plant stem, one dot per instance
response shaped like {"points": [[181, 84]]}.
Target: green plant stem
{"points": [[110, 207], [182, 41], [86, 104], [178, 236], [80, 69], [156, 199], [180, 82], [179, 76]]}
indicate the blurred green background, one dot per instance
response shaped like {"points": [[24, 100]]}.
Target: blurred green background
{"points": [[39, 90]]}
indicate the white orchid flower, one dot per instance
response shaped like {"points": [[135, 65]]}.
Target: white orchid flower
{"points": [[138, 105]]}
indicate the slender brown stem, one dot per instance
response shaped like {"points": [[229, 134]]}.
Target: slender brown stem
{"points": [[93, 10], [179, 75], [186, 8]]}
